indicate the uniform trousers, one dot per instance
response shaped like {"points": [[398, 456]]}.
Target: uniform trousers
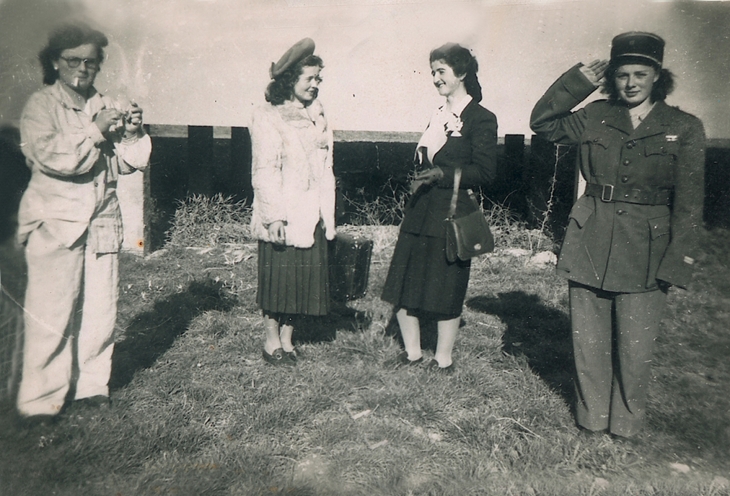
{"points": [[70, 313], [613, 340]]}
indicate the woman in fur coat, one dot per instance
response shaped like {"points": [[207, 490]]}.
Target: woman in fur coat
{"points": [[294, 199]]}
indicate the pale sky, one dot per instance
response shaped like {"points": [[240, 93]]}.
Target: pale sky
{"points": [[205, 62]]}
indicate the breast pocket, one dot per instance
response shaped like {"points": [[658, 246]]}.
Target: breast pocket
{"points": [[595, 148], [664, 152]]}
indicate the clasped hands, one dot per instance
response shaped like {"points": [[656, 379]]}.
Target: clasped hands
{"points": [[110, 120], [427, 176]]}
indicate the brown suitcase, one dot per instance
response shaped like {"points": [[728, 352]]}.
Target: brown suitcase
{"points": [[349, 266]]}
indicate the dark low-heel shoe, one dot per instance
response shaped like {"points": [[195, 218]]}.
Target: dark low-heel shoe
{"points": [[278, 357], [433, 366], [99, 401], [36, 421], [293, 354], [402, 359]]}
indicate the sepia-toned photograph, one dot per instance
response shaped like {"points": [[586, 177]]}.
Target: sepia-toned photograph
{"points": [[365, 247]]}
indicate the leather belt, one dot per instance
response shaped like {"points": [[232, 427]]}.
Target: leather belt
{"points": [[628, 194]]}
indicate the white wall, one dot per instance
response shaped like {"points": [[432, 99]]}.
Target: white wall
{"points": [[206, 62]]}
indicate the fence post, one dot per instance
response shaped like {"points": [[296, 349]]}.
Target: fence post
{"points": [[241, 162], [200, 160]]}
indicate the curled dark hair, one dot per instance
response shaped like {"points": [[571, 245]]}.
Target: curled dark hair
{"points": [[463, 63], [64, 37], [281, 88], [659, 91]]}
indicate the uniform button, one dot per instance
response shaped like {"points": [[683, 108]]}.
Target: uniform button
{"points": [[630, 145], [96, 183], [627, 162], [624, 179], [620, 212]]}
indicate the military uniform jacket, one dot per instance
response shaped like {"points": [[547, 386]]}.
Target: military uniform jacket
{"points": [[613, 243], [474, 150]]}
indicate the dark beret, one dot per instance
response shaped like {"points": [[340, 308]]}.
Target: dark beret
{"points": [[637, 46], [301, 50]]}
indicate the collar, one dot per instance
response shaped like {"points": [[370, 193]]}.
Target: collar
{"points": [[459, 107], [294, 102], [619, 117], [655, 122], [94, 103], [641, 110]]}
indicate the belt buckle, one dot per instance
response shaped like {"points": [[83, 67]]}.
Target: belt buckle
{"points": [[607, 193]]}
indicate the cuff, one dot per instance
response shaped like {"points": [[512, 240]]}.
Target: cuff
{"points": [[677, 273], [577, 84], [94, 134]]}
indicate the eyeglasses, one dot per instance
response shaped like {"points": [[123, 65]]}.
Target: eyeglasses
{"points": [[74, 62]]}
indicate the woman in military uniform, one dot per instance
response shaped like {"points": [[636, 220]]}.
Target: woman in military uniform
{"points": [[632, 234]]}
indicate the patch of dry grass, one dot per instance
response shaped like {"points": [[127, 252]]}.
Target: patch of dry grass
{"points": [[209, 221]]}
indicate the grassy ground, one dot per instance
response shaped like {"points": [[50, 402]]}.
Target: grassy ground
{"points": [[197, 412]]}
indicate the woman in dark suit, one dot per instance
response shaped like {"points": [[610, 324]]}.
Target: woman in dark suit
{"points": [[632, 234], [461, 135]]}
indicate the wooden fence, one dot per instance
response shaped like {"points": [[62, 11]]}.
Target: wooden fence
{"points": [[207, 160]]}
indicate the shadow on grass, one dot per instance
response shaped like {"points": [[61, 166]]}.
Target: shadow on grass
{"points": [[539, 332], [321, 329], [151, 333]]}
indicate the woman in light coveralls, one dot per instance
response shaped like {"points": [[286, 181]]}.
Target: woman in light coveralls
{"points": [[76, 143], [632, 234]]}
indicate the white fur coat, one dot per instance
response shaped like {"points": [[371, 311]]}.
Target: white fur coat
{"points": [[292, 172]]}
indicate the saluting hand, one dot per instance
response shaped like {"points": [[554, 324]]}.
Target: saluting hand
{"points": [[594, 70]]}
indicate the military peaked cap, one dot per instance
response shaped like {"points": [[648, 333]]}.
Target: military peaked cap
{"points": [[637, 46]]}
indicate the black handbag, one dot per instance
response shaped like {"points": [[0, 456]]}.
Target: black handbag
{"points": [[468, 236]]}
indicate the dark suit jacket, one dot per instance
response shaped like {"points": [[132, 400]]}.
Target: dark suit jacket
{"points": [[475, 152], [621, 246]]}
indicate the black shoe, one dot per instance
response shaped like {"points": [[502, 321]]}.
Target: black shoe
{"points": [[32, 422], [293, 355], [591, 434], [433, 366], [278, 357], [402, 359], [98, 402], [633, 441]]}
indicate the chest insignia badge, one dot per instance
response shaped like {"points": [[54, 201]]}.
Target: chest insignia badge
{"points": [[672, 137]]}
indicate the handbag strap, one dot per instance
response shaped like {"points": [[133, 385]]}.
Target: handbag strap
{"points": [[455, 195]]}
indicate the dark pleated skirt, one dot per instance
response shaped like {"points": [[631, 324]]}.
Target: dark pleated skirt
{"points": [[294, 280], [420, 278]]}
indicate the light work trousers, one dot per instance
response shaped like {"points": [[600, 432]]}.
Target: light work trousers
{"points": [[613, 341], [70, 313]]}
